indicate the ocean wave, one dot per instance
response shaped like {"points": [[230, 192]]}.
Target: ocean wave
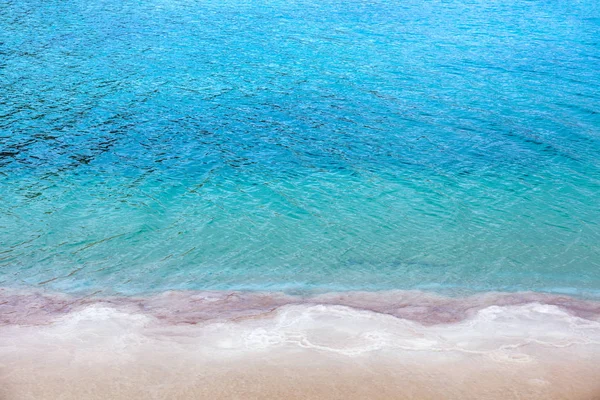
{"points": [[32, 307], [544, 345], [272, 345]]}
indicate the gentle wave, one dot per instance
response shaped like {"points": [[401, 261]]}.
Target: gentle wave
{"points": [[32, 307], [540, 345]]}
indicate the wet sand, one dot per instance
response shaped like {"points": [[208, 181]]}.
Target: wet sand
{"points": [[266, 346]]}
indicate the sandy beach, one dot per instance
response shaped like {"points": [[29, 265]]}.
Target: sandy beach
{"points": [[155, 348]]}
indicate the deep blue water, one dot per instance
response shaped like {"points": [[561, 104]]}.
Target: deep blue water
{"points": [[300, 144]]}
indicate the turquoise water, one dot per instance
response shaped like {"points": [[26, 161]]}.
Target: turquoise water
{"points": [[300, 144]]}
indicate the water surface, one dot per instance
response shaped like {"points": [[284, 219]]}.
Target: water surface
{"points": [[300, 145]]}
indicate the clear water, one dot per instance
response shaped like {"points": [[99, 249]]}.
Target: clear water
{"points": [[300, 144]]}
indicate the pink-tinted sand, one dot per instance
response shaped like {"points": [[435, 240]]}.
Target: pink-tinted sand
{"points": [[368, 345]]}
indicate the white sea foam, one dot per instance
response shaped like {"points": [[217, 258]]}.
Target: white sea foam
{"points": [[534, 346], [337, 329]]}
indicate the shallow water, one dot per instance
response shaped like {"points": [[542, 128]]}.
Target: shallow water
{"points": [[299, 199], [300, 145], [218, 345]]}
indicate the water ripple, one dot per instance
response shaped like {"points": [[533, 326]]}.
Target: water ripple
{"points": [[289, 145]]}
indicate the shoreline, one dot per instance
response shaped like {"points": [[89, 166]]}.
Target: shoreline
{"points": [[35, 306], [392, 345]]}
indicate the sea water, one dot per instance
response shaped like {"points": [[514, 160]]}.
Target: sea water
{"points": [[192, 179], [294, 145]]}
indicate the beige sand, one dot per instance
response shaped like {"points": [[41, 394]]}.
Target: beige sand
{"points": [[530, 351]]}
